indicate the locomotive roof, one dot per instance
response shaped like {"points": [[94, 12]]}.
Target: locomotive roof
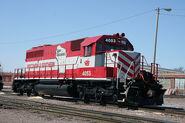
{"points": [[87, 41], [90, 40], [84, 41]]}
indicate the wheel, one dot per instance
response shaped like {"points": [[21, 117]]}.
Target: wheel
{"points": [[115, 99], [103, 101], [35, 93], [21, 92], [120, 105], [81, 95], [29, 93], [14, 89], [86, 99]]}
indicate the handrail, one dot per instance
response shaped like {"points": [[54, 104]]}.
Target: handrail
{"points": [[18, 73], [153, 68], [129, 69], [125, 74], [144, 59], [118, 76], [36, 71]]}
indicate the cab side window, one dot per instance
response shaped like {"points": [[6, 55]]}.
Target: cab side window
{"points": [[109, 47], [88, 50], [99, 47]]}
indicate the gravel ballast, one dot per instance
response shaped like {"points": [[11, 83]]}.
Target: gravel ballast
{"points": [[18, 116]]}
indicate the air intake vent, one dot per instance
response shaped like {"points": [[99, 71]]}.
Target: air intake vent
{"points": [[76, 44]]}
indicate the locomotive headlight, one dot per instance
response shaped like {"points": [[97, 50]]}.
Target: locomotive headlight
{"points": [[123, 42]]}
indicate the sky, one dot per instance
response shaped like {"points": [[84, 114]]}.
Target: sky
{"points": [[28, 23]]}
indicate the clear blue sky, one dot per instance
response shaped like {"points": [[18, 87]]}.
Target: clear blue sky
{"points": [[28, 23]]}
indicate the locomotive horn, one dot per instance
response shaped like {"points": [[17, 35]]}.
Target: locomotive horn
{"points": [[123, 34]]}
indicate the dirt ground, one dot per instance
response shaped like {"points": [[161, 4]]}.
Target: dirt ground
{"points": [[174, 102], [21, 116]]}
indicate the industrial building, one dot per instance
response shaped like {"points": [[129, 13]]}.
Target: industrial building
{"points": [[172, 80]]}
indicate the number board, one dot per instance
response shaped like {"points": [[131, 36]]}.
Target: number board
{"points": [[86, 72], [110, 40]]}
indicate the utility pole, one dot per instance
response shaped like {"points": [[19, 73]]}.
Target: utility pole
{"points": [[156, 31]]}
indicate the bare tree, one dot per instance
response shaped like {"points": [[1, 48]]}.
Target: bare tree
{"points": [[180, 69]]}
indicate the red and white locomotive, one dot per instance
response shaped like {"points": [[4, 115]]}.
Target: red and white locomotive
{"points": [[103, 68]]}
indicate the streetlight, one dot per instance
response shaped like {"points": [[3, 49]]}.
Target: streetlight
{"points": [[156, 30]]}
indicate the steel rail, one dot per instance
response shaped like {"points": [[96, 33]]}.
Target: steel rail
{"points": [[163, 110], [66, 110]]}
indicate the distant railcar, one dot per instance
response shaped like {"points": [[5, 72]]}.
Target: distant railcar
{"points": [[1, 83], [103, 68]]}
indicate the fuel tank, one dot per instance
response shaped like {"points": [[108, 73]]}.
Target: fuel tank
{"points": [[57, 90]]}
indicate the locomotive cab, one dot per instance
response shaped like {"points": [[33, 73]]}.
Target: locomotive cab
{"points": [[102, 52], [101, 44]]}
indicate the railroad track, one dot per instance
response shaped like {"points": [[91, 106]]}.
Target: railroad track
{"points": [[66, 110], [161, 109], [157, 109], [165, 110]]}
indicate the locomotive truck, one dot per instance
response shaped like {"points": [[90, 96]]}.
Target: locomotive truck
{"points": [[103, 69]]}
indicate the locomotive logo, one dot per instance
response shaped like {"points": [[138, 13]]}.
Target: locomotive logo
{"points": [[87, 62], [60, 51], [61, 58], [41, 65]]}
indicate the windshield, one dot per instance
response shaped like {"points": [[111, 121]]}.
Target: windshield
{"points": [[123, 44], [107, 47]]}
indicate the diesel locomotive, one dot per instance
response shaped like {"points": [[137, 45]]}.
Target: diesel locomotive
{"points": [[103, 69]]}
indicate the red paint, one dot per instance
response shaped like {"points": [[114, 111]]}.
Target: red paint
{"points": [[124, 70], [41, 65], [127, 56], [95, 72], [138, 55], [124, 62], [47, 52], [91, 40], [87, 62], [132, 61], [76, 48]]}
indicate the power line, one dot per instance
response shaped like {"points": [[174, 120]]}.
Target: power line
{"points": [[179, 9], [81, 30], [173, 15]]}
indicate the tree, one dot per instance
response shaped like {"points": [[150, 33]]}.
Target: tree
{"points": [[180, 69]]}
